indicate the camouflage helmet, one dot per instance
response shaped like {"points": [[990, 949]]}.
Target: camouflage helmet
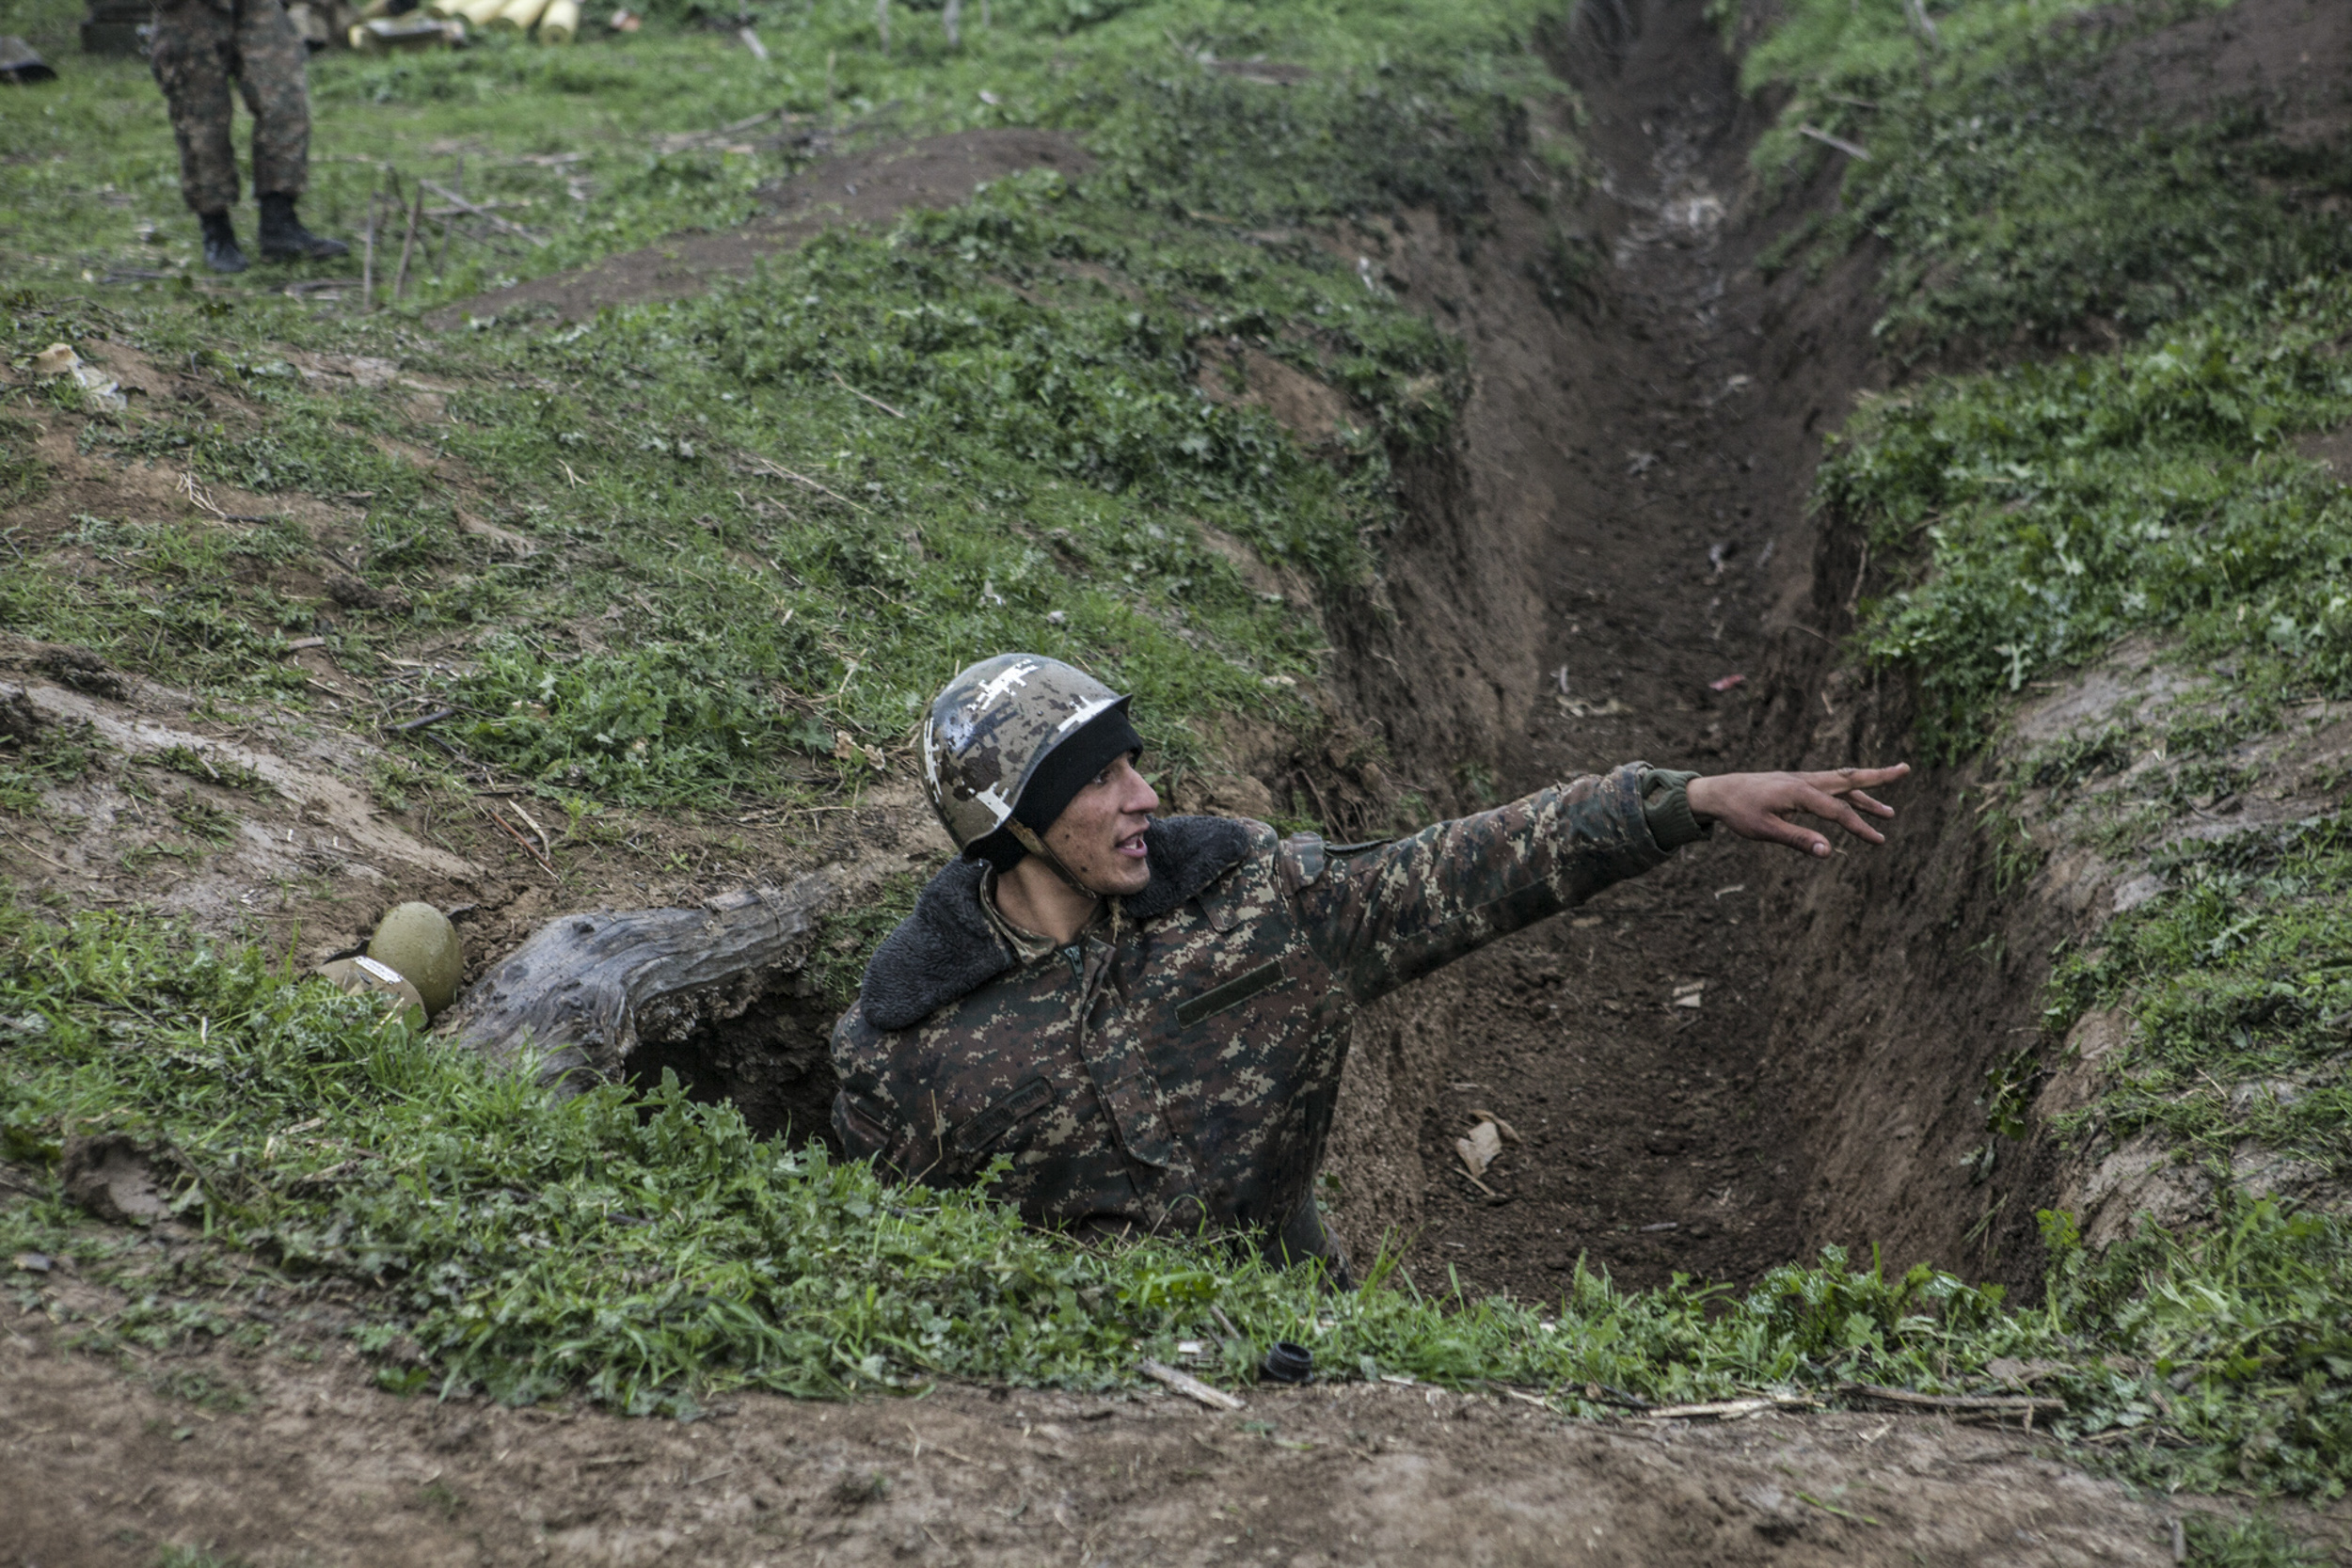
{"points": [[992, 726]]}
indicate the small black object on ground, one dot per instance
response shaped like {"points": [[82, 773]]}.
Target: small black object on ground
{"points": [[1287, 1363]]}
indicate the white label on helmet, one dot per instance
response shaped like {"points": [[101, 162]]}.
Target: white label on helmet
{"points": [[1004, 681], [1084, 711], [930, 758], [999, 807], [383, 972]]}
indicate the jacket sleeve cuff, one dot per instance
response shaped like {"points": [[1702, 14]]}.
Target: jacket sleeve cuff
{"points": [[1666, 808]]}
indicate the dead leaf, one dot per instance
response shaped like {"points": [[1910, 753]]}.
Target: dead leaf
{"points": [[1479, 1147], [1510, 1134]]}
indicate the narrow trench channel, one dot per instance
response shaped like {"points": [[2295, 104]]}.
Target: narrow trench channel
{"points": [[1653, 458]]}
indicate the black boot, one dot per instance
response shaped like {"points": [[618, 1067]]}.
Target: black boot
{"points": [[284, 239], [220, 243]]}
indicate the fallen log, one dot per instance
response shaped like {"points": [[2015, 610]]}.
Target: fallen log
{"points": [[587, 991]]}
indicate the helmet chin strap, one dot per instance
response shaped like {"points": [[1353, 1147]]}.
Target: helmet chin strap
{"points": [[1035, 846], [1028, 840]]}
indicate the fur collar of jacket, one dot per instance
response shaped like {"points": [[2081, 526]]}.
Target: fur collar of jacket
{"points": [[945, 950]]}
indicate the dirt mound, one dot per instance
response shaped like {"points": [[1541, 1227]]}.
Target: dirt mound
{"points": [[217, 821], [860, 189], [2287, 59], [271, 1458]]}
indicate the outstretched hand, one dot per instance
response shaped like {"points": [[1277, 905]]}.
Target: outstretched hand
{"points": [[1758, 805]]}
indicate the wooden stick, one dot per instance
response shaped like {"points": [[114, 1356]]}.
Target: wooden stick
{"points": [[367, 255], [2013, 1405], [412, 725], [1720, 1410], [1190, 1386], [528, 848], [1860, 154], [408, 244], [545, 845], [776, 471], [869, 397], [491, 218]]}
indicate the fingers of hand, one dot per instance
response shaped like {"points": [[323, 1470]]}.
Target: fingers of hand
{"points": [[1839, 781], [1836, 810], [1803, 840], [1774, 829], [1875, 808]]}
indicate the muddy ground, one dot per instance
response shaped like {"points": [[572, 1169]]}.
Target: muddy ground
{"points": [[319, 1467], [1715, 1069]]}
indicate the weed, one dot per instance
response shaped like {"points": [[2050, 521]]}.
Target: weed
{"points": [[196, 1556], [2256, 1541], [31, 765], [2063, 505], [204, 821], [2240, 979], [226, 773], [2029, 177]]}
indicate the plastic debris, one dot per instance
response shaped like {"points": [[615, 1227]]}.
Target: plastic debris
{"points": [[101, 389], [1287, 1363], [388, 35], [1727, 683], [364, 976]]}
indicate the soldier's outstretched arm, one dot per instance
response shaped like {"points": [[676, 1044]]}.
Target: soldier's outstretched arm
{"points": [[1391, 915]]}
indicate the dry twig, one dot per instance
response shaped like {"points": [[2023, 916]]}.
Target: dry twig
{"points": [[1190, 1386]]}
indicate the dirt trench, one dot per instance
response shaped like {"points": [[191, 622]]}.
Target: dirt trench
{"points": [[1619, 567], [1743, 1056]]}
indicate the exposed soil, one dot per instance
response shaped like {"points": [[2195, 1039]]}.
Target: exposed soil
{"points": [[1641, 462], [292, 1463], [1636, 467], [865, 188]]}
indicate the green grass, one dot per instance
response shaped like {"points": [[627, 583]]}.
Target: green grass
{"points": [[694, 627], [2027, 184], [2031, 191], [2239, 978], [647, 1254], [2052, 508]]}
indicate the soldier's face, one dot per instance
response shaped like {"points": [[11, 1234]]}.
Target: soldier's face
{"points": [[1099, 835]]}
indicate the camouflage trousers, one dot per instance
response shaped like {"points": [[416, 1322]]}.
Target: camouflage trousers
{"points": [[198, 46]]}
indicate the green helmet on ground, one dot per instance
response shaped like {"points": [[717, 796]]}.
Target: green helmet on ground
{"points": [[418, 941], [365, 976], [1009, 740]]}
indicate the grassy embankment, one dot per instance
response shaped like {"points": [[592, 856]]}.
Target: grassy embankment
{"points": [[482, 1232], [2149, 497]]}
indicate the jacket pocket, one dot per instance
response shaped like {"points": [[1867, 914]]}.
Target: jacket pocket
{"points": [[1232, 993], [978, 1134]]}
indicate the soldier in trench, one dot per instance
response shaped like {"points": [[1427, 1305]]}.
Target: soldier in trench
{"points": [[1147, 1017]]}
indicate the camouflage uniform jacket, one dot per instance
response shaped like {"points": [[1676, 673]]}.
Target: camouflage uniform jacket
{"points": [[1177, 1065]]}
